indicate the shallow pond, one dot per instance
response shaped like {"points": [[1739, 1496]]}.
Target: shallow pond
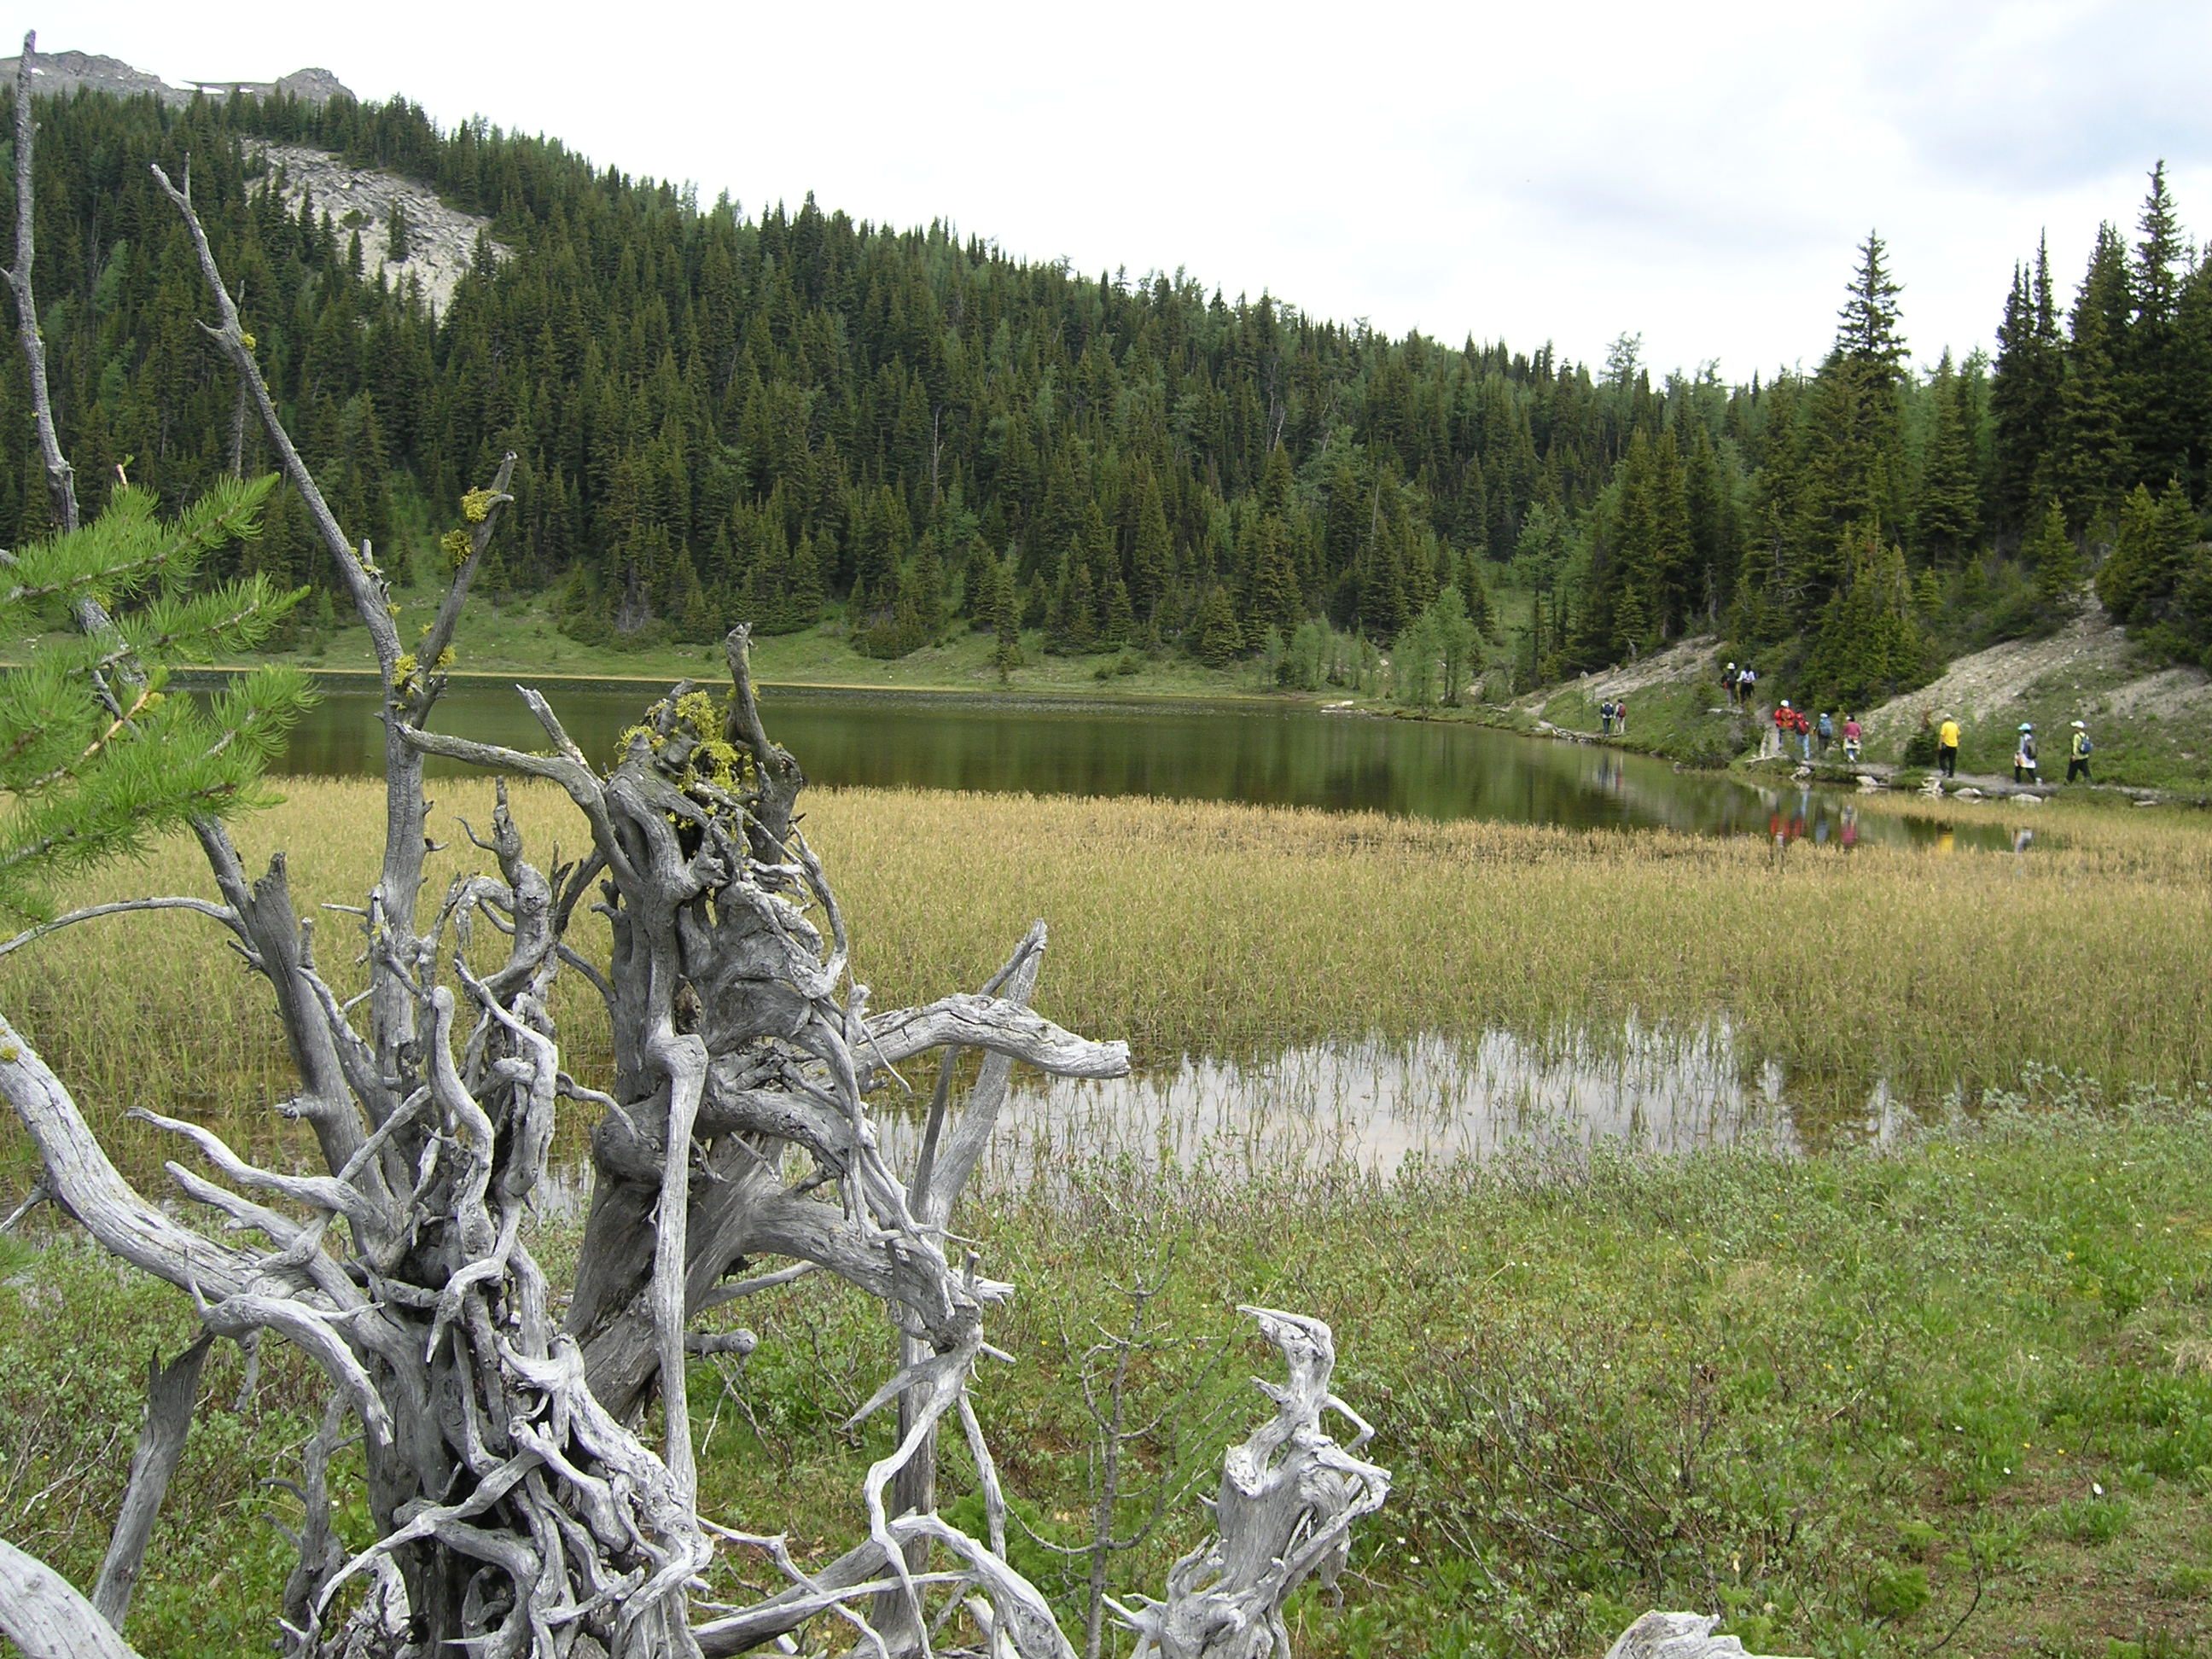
{"points": [[1373, 1104]]}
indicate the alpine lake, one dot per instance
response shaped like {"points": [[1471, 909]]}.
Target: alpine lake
{"points": [[1355, 1102]]}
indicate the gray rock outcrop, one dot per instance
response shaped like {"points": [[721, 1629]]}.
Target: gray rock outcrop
{"points": [[69, 71], [442, 240]]}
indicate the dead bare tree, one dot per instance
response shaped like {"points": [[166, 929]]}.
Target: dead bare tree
{"points": [[518, 1505], [61, 477]]}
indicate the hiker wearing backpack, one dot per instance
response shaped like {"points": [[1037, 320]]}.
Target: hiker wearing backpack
{"points": [[1851, 737], [1826, 730], [2077, 761], [2023, 757]]}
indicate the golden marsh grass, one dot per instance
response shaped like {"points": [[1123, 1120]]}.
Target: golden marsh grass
{"points": [[1230, 929]]}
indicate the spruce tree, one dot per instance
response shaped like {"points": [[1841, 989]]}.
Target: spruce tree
{"points": [[1946, 515], [1120, 624], [1153, 558], [1275, 600], [2092, 464], [1005, 622], [1847, 465], [2133, 583], [803, 602], [1868, 645], [1220, 637], [1715, 529], [2155, 395], [2051, 554]]}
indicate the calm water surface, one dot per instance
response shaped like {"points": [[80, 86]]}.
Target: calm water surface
{"points": [[1274, 754]]}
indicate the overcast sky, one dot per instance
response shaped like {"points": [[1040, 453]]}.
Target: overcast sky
{"points": [[1698, 174]]}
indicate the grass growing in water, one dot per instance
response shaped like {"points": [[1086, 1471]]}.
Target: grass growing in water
{"points": [[1225, 929]]}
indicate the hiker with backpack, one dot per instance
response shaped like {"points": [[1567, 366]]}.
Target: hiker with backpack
{"points": [[2077, 762], [1826, 730], [2023, 757], [1851, 737]]}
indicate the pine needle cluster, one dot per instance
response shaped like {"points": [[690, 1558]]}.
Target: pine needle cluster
{"points": [[98, 759]]}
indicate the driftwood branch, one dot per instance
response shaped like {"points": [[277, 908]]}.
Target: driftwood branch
{"points": [[220, 913], [1288, 1498], [369, 593], [171, 1392], [44, 1616], [1003, 1027]]}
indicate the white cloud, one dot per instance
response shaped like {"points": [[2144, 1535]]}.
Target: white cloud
{"points": [[1698, 175]]}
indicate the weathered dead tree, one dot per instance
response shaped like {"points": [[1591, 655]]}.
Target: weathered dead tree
{"points": [[61, 477], [1289, 1495], [518, 1505]]}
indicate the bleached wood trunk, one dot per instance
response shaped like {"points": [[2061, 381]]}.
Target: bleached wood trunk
{"points": [[517, 1506]]}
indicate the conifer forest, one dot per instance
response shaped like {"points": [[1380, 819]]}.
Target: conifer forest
{"points": [[791, 415]]}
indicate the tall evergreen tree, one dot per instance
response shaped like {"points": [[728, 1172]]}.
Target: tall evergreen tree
{"points": [[1868, 645], [2092, 465], [2024, 398], [2155, 397], [1850, 459], [1947, 518]]}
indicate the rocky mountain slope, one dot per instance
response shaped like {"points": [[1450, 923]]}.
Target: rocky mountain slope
{"points": [[69, 71], [440, 239]]}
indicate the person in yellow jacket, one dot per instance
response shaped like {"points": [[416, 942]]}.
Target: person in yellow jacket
{"points": [[1947, 747]]}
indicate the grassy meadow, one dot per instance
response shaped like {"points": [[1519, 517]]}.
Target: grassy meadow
{"points": [[1954, 1393], [1951, 1395], [522, 634]]}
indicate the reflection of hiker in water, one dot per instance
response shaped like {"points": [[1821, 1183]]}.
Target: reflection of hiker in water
{"points": [[2077, 760], [1850, 828], [1947, 747], [2023, 757]]}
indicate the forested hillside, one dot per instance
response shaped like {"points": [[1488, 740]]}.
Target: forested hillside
{"points": [[792, 416]]}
